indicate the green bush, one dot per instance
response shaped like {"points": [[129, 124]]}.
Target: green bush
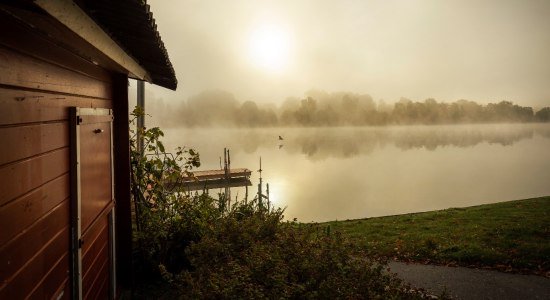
{"points": [[161, 231], [251, 253]]}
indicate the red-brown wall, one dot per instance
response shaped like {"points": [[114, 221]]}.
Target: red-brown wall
{"points": [[38, 82]]}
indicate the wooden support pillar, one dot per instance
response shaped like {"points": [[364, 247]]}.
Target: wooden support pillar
{"points": [[140, 119], [121, 141]]}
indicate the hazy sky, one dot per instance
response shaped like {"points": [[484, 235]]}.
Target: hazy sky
{"points": [[483, 50]]}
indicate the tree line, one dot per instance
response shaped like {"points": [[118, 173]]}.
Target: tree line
{"points": [[220, 108]]}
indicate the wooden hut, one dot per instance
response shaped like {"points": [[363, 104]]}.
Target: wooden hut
{"points": [[65, 223]]}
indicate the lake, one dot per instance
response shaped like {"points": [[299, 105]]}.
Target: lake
{"points": [[322, 174]]}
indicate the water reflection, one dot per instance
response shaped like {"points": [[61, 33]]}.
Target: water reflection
{"points": [[324, 174], [322, 143]]}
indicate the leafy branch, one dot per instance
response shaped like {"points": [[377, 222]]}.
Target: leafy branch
{"points": [[156, 189]]}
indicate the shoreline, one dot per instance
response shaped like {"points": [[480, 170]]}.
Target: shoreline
{"points": [[422, 212], [510, 236]]}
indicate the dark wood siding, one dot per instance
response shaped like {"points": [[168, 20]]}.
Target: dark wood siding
{"points": [[38, 83], [95, 257]]}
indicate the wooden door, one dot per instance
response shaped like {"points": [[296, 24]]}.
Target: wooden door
{"points": [[92, 203]]}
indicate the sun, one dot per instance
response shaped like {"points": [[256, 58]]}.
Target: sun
{"points": [[269, 47]]}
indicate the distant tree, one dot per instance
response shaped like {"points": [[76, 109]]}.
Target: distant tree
{"points": [[404, 112], [269, 118], [366, 102], [349, 104], [248, 114], [327, 116], [430, 112], [543, 115], [506, 111], [212, 107], [464, 111], [286, 111], [305, 115], [319, 108], [288, 118]]}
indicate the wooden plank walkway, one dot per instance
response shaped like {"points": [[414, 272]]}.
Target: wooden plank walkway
{"points": [[212, 179], [217, 175], [216, 184]]}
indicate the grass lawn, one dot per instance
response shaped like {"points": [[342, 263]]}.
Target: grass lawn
{"points": [[509, 236]]}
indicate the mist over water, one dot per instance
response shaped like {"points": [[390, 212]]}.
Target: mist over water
{"points": [[218, 108], [322, 174]]}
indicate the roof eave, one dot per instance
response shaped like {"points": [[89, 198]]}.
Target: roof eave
{"points": [[70, 15]]}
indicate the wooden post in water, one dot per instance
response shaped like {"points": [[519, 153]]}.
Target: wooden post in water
{"points": [[267, 192], [227, 175], [228, 180], [260, 186]]}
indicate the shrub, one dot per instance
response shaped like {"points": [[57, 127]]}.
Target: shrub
{"points": [[161, 231], [250, 253]]}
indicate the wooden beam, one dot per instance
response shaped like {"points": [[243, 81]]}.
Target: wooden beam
{"points": [[69, 14], [123, 214]]}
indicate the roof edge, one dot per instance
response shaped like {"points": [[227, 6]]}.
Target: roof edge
{"points": [[73, 17]]}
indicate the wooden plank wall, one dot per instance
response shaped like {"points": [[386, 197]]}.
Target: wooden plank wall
{"points": [[95, 259], [38, 82]]}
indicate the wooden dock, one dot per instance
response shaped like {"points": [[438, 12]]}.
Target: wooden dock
{"points": [[214, 179], [216, 175]]}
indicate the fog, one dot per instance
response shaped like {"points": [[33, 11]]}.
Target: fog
{"points": [[319, 144], [486, 51], [218, 108]]}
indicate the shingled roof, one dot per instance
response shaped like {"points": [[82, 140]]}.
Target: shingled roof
{"points": [[130, 23]]}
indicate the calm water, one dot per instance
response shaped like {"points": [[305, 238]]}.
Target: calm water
{"points": [[322, 174]]}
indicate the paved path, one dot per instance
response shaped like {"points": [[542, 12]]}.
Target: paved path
{"points": [[466, 283]]}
